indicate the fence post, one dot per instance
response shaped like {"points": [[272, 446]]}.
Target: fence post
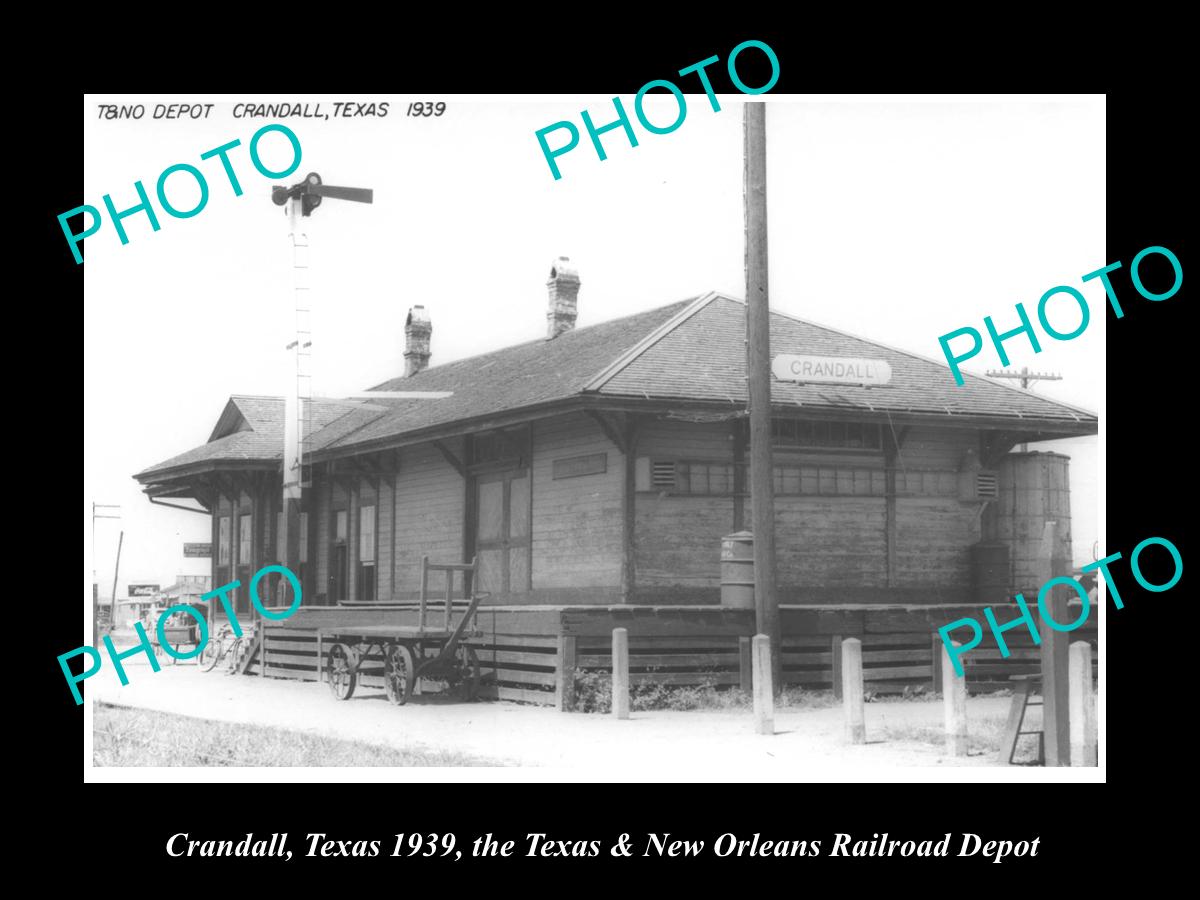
{"points": [[564, 694], [620, 673], [1083, 712], [954, 694], [835, 665], [852, 691], [745, 666], [935, 663], [764, 696]]}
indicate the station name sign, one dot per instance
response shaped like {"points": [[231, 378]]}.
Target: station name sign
{"points": [[830, 370]]}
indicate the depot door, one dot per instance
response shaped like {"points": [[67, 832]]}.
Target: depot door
{"points": [[502, 531], [339, 568]]}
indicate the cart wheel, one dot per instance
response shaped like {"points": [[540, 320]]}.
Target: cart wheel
{"points": [[342, 676], [211, 655], [469, 685], [399, 673]]}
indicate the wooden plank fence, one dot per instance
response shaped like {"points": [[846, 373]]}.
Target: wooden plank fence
{"points": [[900, 651]]}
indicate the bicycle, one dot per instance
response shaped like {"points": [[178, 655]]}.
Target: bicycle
{"points": [[220, 646]]}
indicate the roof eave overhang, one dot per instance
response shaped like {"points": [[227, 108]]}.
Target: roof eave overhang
{"points": [[1026, 425], [943, 418], [457, 428], [162, 476]]}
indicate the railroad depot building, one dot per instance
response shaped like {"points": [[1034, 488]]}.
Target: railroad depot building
{"points": [[595, 472]]}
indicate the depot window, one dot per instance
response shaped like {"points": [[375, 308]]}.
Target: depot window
{"points": [[223, 541], [810, 434], [712, 478], [244, 561], [366, 553], [366, 534], [245, 538]]}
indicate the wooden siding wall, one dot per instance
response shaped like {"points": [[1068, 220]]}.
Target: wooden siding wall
{"points": [[822, 541], [429, 516], [834, 542], [934, 533], [577, 524], [678, 538], [830, 541]]}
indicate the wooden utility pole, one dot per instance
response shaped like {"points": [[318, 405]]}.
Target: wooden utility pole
{"points": [[95, 578], [112, 610], [1056, 709], [758, 356]]}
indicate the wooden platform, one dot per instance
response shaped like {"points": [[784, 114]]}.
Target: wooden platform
{"points": [[533, 653]]}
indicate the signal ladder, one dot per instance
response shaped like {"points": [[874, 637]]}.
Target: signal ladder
{"points": [[302, 344]]}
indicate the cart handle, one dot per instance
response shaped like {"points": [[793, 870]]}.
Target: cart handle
{"points": [[449, 569], [455, 636]]}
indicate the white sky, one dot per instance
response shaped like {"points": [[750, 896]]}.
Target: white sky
{"points": [[895, 219]]}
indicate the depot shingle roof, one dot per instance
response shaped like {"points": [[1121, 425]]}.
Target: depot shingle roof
{"points": [[250, 429], [703, 356], [529, 374], [692, 351]]}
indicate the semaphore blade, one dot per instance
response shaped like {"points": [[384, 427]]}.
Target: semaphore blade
{"points": [[359, 195]]}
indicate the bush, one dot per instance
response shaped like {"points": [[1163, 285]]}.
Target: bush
{"points": [[593, 690], [593, 694]]}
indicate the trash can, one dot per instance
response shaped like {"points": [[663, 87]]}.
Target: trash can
{"points": [[737, 570]]}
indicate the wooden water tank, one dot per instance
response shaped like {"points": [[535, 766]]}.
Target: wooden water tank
{"points": [[1034, 490]]}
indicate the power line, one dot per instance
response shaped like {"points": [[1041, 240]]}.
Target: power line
{"points": [[1025, 376]]}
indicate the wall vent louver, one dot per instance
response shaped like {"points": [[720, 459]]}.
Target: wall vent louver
{"points": [[662, 474], [987, 486]]}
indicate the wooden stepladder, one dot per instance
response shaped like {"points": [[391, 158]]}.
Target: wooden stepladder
{"points": [[1023, 686]]}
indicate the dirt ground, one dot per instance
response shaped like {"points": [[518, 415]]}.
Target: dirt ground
{"points": [[899, 733]]}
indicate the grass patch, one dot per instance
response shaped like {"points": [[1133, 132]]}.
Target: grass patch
{"points": [[912, 692], [125, 736], [593, 694], [983, 736]]}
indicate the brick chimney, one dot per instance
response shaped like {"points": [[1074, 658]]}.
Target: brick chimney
{"points": [[417, 329], [564, 298]]}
